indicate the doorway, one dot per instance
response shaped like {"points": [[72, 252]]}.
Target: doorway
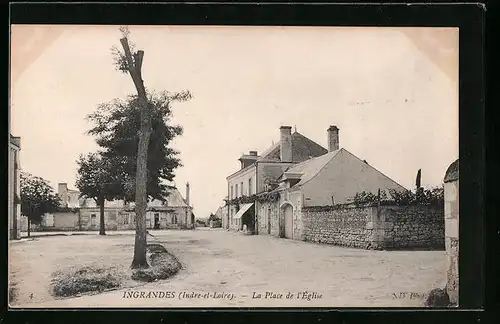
{"points": [[288, 213], [157, 221], [269, 221]]}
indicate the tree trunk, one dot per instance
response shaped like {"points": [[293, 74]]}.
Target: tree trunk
{"points": [[141, 202], [134, 69], [29, 227], [102, 223]]}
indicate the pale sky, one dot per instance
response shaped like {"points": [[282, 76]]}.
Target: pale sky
{"points": [[392, 92]]}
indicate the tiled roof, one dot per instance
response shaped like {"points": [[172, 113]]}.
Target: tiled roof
{"points": [[311, 167], [14, 140], [175, 199], [302, 149]]}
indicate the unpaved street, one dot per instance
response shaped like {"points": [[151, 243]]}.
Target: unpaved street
{"points": [[227, 269]]}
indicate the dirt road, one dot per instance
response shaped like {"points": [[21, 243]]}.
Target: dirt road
{"points": [[227, 269]]}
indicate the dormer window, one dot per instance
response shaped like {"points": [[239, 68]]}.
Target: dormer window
{"points": [[248, 159], [291, 178]]}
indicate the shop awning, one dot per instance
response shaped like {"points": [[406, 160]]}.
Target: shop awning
{"points": [[242, 210]]}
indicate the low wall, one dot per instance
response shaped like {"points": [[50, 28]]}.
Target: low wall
{"points": [[387, 227], [345, 227], [66, 221], [413, 227]]}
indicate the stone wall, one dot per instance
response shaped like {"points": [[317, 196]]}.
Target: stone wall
{"points": [[412, 227], [66, 221], [344, 227], [390, 227]]}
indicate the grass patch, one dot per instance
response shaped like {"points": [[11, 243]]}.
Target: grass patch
{"points": [[155, 248], [73, 282], [163, 265]]}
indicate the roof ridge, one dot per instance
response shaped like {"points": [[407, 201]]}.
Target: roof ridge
{"points": [[308, 139]]}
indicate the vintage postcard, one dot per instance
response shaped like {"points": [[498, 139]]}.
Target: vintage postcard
{"points": [[219, 166]]}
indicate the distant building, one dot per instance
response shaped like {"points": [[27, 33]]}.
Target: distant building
{"points": [[84, 214], [14, 190], [69, 198], [221, 214]]}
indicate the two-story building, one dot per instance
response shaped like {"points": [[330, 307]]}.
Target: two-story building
{"points": [[258, 173], [303, 174], [14, 189]]}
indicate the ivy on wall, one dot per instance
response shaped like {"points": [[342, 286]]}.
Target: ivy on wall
{"points": [[266, 197], [421, 196], [68, 210]]}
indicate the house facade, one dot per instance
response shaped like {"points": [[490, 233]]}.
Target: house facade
{"points": [[14, 188], [329, 180], [259, 173], [304, 174], [84, 214]]}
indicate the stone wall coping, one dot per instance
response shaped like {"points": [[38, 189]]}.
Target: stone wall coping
{"points": [[352, 206]]}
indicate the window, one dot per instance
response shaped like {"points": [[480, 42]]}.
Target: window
{"points": [[236, 186], [125, 219], [250, 186], [93, 220], [174, 219], [241, 189], [232, 193]]}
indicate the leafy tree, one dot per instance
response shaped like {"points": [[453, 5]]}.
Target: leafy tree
{"points": [[37, 198], [115, 126], [101, 178], [213, 217]]}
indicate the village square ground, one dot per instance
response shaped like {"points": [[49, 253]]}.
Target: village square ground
{"points": [[220, 262]]}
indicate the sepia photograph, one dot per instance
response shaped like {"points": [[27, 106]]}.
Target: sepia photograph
{"points": [[171, 166]]}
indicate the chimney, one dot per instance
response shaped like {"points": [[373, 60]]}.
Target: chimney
{"points": [[62, 191], [333, 138], [187, 193], [286, 143], [253, 153]]}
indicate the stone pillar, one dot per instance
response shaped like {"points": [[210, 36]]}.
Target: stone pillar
{"points": [[451, 213], [381, 229]]}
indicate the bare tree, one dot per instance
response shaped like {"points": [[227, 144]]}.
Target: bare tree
{"points": [[132, 63]]}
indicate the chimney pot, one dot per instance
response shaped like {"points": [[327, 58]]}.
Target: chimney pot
{"points": [[286, 143], [62, 191]]}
